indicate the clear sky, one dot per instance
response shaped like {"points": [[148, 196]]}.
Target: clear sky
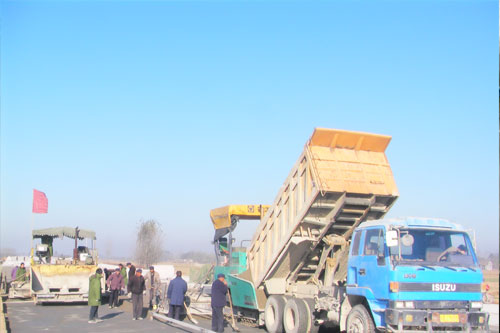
{"points": [[122, 111]]}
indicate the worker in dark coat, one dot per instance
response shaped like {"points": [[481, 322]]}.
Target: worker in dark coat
{"points": [[137, 286], [175, 294], [95, 296], [131, 272], [219, 291]]}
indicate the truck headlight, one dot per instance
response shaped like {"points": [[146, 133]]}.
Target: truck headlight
{"points": [[476, 305], [409, 305], [404, 305]]}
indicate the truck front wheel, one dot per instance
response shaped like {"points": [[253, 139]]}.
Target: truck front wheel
{"points": [[360, 321], [273, 313]]}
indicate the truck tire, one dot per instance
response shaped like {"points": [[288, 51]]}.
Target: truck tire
{"points": [[296, 317], [273, 313], [360, 321], [312, 327]]}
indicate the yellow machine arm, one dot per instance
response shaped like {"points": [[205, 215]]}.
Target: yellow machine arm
{"points": [[221, 217]]}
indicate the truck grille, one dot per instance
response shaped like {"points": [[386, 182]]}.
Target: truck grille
{"points": [[441, 304]]}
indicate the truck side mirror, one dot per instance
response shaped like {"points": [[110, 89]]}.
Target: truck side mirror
{"points": [[391, 238]]}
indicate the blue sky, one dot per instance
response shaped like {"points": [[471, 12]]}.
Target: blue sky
{"points": [[129, 111]]}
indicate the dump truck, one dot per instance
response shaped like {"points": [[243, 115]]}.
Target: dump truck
{"points": [[62, 280], [304, 269]]}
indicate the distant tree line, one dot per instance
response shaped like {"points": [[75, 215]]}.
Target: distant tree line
{"points": [[149, 248], [195, 256], [493, 257], [6, 251]]}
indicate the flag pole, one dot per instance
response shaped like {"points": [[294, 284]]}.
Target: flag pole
{"points": [[31, 234], [40, 205]]}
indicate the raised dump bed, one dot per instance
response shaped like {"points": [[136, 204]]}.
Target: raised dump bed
{"points": [[341, 179]]}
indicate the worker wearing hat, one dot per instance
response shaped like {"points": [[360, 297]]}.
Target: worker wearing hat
{"points": [[131, 272], [137, 286], [94, 299], [115, 283], [153, 282], [219, 291], [176, 290]]}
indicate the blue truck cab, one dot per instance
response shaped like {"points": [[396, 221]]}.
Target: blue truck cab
{"points": [[414, 274]]}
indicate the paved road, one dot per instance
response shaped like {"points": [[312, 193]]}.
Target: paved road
{"points": [[26, 317], [493, 310]]}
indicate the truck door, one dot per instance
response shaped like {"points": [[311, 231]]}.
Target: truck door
{"points": [[354, 258], [373, 270]]}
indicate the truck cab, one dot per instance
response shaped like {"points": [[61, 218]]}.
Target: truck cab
{"points": [[414, 274]]}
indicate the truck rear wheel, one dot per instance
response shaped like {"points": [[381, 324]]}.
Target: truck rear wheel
{"points": [[296, 317], [360, 321], [273, 313]]}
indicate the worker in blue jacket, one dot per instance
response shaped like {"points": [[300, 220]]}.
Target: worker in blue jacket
{"points": [[175, 294], [219, 291]]}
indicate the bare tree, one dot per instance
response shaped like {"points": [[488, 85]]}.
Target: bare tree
{"points": [[149, 245]]}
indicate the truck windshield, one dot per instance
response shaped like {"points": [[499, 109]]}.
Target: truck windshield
{"points": [[433, 248]]}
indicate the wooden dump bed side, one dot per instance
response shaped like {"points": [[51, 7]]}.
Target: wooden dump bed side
{"points": [[341, 179]]}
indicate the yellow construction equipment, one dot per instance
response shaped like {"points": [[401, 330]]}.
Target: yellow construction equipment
{"points": [[221, 217], [225, 220]]}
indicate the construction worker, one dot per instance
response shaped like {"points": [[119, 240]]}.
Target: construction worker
{"points": [[13, 273], [95, 296], [152, 280], [219, 291], [115, 284], [175, 294], [48, 240], [21, 273], [123, 272], [136, 286], [131, 272]]}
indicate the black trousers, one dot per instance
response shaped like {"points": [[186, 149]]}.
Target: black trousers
{"points": [[113, 299], [217, 319], [137, 305], [174, 311], [93, 312]]}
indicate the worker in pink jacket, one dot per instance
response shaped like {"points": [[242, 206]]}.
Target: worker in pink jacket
{"points": [[115, 284]]}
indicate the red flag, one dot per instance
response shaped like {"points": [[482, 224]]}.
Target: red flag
{"points": [[40, 202]]}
